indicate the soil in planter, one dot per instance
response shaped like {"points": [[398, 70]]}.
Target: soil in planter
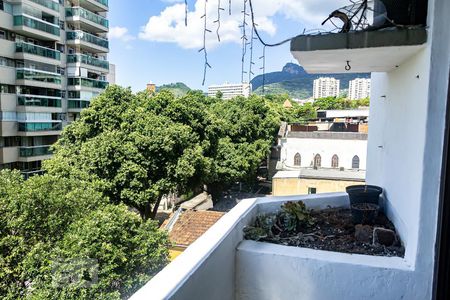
{"points": [[333, 230]]}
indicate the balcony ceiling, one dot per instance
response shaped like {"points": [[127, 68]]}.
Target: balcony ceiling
{"points": [[369, 51]]}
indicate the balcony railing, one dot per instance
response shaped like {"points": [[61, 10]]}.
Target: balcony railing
{"points": [[87, 37], [88, 60], [103, 2], [34, 75], [87, 82], [48, 3], [78, 104], [35, 24], [40, 126], [85, 14], [22, 47], [38, 101], [34, 151]]}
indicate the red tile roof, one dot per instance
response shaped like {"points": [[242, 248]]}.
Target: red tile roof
{"points": [[191, 225]]}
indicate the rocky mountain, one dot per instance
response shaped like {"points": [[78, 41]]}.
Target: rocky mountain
{"points": [[294, 81]]}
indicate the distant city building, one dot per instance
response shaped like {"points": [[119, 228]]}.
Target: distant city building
{"points": [[359, 88], [111, 77], [151, 87], [326, 87], [230, 90]]}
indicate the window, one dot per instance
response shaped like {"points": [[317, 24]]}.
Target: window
{"points": [[317, 161], [335, 161], [355, 162], [312, 190], [297, 160]]}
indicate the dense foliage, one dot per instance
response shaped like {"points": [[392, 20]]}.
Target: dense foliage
{"points": [[53, 226]]}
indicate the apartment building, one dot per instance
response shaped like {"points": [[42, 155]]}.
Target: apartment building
{"points": [[359, 88], [326, 87], [53, 60], [230, 90]]}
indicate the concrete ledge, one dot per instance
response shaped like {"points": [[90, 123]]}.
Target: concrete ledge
{"points": [[360, 39]]}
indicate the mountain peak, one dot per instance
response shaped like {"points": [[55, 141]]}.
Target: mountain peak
{"points": [[294, 69]]}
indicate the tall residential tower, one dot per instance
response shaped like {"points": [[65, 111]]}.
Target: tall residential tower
{"points": [[53, 60], [326, 87]]}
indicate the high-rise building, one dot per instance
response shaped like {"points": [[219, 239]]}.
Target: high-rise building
{"points": [[326, 87], [53, 60], [359, 88], [231, 90]]}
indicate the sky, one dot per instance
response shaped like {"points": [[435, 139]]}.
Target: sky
{"points": [[149, 41]]}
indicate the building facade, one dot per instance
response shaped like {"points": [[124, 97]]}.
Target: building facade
{"points": [[53, 60], [359, 88], [230, 90], [326, 87]]}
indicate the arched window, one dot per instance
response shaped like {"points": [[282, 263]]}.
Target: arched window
{"points": [[355, 162], [317, 161], [297, 160], [335, 161]]}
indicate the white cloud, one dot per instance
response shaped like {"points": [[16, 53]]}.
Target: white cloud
{"points": [[169, 25], [120, 33]]}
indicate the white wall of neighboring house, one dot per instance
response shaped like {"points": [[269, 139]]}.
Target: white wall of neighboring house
{"points": [[309, 148]]}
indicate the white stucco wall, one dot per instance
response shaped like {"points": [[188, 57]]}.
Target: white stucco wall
{"points": [[406, 140], [308, 148]]}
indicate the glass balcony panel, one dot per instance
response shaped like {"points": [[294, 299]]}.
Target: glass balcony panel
{"points": [[26, 74], [38, 101], [87, 37], [34, 151], [86, 82], [104, 2], [78, 104], [85, 14], [48, 3], [37, 50], [35, 24], [44, 126], [88, 60]]}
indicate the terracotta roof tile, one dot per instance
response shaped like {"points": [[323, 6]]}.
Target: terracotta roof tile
{"points": [[191, 225]]}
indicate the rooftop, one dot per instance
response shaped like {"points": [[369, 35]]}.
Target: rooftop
{"points": [[328, 135], [331, 174], [186, 227]]}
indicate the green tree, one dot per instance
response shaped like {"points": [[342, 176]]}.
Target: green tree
{"points": [[47, 219], [219, 95]]}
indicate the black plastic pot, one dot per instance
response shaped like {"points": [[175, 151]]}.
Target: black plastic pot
{"points": [[364, 213], [364, 194]]}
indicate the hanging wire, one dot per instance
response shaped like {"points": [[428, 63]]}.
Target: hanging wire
{"points": [[244, 39], [219, 9], [205, 52], [186, 13], [229, 7], [257, 33]]}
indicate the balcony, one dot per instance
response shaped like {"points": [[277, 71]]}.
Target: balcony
{"points": [[77, 105], [38, 78], [87, 41], [222, 265], [22, 49], [50, 4], [34, 27], [40, 127], [27, 152], [95, 5], [79, 83], [88, 21], [87, 60], [33, 100]]}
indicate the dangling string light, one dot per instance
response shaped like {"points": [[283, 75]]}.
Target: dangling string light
{"points": [[219, 9], [186, 13], [229, 7], [263, 68], [244, 39], [205, 52], [250, 69]]}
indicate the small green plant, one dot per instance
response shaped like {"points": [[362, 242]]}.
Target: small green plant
{"points": [[293, 217]]}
